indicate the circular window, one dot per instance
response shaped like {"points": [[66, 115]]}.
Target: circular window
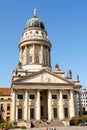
{"points": [[30, 32], [36, 32], [42, 33]]}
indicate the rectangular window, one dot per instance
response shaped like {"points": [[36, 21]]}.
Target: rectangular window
{"points": [[19, 113], [9, 98], [65, 97], [66, 112], [20, 96], [32, 113], [8, 107], [8, 118], [54, 96], [37, 58], [30, 59], [8, 113], [2, 107], [31, 96], [55, 112]]}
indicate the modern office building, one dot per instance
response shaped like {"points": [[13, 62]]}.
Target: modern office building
{"points": [[84, 98]]}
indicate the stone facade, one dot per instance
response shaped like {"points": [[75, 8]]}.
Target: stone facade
{"points": [[5, 103], [37, 91]]}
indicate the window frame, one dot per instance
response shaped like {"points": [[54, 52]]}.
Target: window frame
{"points": [[30, 59], [32, 96], [32, 112], [55, 112], [54, 96], [8, 107], [66, 112], [65, 96], [20, 111], [19, 95]]}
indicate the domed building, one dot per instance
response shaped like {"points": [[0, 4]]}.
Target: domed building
{"points": [[38, 93]]}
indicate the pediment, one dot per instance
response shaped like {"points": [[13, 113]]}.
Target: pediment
{"points": [[43, 77]]}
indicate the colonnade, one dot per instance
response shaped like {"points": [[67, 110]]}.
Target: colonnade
{"points": [[37, 108], [43, 58]]}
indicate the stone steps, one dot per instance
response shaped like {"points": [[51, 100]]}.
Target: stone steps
{"points": [[45, 124]]}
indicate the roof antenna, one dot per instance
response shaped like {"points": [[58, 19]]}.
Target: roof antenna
{"points": [[34, 12]]}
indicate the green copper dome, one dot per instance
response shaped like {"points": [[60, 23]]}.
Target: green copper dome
{"points": [[34, 22]]}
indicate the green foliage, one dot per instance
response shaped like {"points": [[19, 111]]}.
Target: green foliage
{"points": [[77, 120], [1, 125], [16, 126], [23, 127], [1, 119], [8, 125]]}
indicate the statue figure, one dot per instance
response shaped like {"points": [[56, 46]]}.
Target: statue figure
{"points": [[67, 74], [77, 77], [70, 74], [57, 67], [34, 12]]}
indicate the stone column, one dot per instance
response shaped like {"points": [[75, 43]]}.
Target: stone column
{"points": [[61, 109], [13, 108], [20, 58], [48, 61], [49, 105], [26, 106], [42, 55], [38, 106], [33, 53], [71, 104], [26, 55], [49, 58]]}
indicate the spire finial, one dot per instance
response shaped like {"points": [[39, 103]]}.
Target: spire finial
{"points": [[34, 12]]}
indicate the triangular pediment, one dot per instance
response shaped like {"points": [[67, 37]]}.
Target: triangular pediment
{"points": [[43, 76]]}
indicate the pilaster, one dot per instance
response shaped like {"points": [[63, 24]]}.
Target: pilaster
{"points": [[26, 55], [20, 55], [49, 58], [33, 53], [42, 54]]}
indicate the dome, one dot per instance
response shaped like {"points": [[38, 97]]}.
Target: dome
{"points": [[34, 22]]}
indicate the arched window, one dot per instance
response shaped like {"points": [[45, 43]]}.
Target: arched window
{"points": [[37, 54], [30, 54], [23, 55], [37, 59]]}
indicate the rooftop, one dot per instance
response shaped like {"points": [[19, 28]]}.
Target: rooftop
{"points": [[5, 91]]}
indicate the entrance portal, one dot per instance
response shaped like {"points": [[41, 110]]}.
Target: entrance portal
{"points": [[44, 104], [42, 112]]}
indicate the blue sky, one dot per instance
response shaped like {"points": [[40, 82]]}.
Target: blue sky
{"points": [[66, 24]]}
